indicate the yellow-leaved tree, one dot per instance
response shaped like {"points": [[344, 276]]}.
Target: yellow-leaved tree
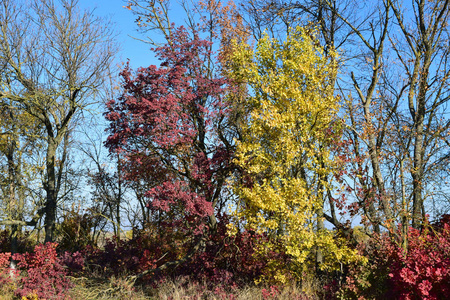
{"points": [[284, 152]]}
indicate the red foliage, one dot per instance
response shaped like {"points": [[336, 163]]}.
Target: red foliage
{"points": [[224, 260], [370, 281], [270, 293], [227, 260], [5, 277], [118, 257], [44, 275], [423, 273], [170, 124], [146, 250], [73, 261]]}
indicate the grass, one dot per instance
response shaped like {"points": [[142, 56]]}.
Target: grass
{"points": [[178, 290], [118, 288], [184, 289], [112, 288]]}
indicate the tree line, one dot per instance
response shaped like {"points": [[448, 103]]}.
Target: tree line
{"points": [[289, 119]]}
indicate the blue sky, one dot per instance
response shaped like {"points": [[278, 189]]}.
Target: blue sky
{"points": [[138, 52]]}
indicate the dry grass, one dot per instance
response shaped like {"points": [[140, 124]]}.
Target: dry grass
{"points": [[118, 288], [182, 289], [113, 288], [7, 289], [6, 295]]}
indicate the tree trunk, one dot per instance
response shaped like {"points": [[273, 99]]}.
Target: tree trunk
{"points": [[51, 190], [13, 207]]}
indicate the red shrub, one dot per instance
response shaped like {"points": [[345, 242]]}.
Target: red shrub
{"points": [[369, 281], [270, 293], [73, 261], [223, 259], [126, 257], [423, 273], [44, 275], [4, 268], [229, 260]]}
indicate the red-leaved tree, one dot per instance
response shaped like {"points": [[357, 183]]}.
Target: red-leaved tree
{"points": [[172, 127]]}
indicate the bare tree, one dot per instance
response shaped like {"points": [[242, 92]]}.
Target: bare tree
{"points": [[55, 60]]}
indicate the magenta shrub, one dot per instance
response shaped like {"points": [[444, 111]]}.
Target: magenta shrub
{"points": [[73, 261], [270, 293], [43, 273], [5, 277], [224, 259], [370, 281], [125, 257], [227, 260], [423, 273]]}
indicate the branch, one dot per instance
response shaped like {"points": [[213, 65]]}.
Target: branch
{"points": [[170, 264], [33, 221]]}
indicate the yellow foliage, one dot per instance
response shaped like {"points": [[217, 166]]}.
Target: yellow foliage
{"points": [[32, 296], [284, 148]]}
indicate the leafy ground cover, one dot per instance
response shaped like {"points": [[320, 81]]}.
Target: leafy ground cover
{"points": [[227, 268]]}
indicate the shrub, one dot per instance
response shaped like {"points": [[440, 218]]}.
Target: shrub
{"points": [[422, 273], [5, 271], [228, 260], [125, 257], [75, 230], [425, 271], [73, 261], [24, 243], [369, 280], [232, 260], [44, 274]]}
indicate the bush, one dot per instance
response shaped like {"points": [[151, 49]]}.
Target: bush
{"points": [[124, 257], [24, 243], [44, 274], [422, 273], [73, 261], [425, 271], [369, 280], [75, 231], [228, 260], [224, 259], [6, 281]]}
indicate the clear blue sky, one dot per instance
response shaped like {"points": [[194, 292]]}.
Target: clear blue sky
{"points": [[138, 52]]}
